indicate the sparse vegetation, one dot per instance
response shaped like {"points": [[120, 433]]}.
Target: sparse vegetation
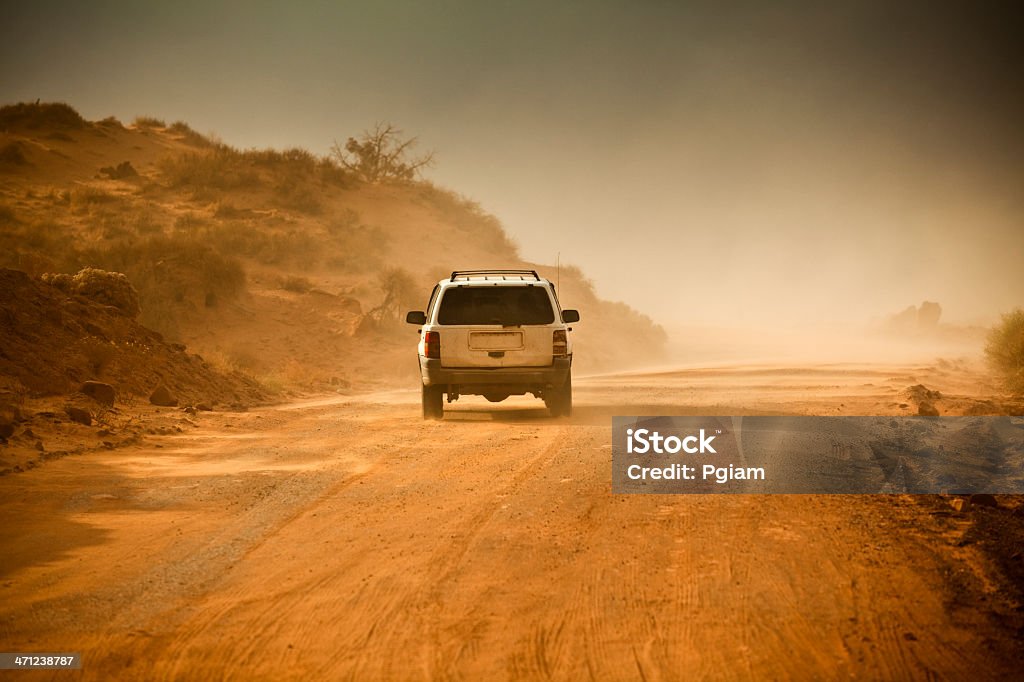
{"points": [[1005, 350], [292, 161], [34, 115], [221, 168], [264, 245], [148, 122], [34, 247], [382, 155], [186, 236], [175, 276], [188, 135], [110, 122], [87, 195], [295, 176], [97, 354], [88, 201], [298, 195], [400, 292], [107, 288], [121, 171]]}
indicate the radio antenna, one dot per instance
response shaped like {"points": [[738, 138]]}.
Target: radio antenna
{"points": [[558, 271]]}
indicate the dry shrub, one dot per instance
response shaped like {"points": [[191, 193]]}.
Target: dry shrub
{"points": [[291, 373], [34, 247], [148, 122], [331, 173], [297, 195], [174, 275], [40, 115], [267, 246], [294, 373], [220, 168], [110, 122], [400, 292], [291, 161], [1005, 350], [86, 195], [126, 222], [107, 288], [188, 135], [382, 154], [121, 171], [294, 175], [97, 353], [144, 219], [273, 384]]}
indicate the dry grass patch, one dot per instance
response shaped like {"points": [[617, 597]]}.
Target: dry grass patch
{"points": [[40, 115]]}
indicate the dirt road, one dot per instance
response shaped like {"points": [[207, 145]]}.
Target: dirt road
{"points": [[345, 538]]}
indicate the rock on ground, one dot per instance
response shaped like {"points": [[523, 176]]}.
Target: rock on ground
{"points": [[102, 393], [78, 415], [162, 397]]}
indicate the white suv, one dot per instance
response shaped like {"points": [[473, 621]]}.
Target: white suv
{"points": [[495, 333]]}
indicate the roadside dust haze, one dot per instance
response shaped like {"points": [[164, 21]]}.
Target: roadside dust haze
{"points": [[770, 166], [222, 455]]}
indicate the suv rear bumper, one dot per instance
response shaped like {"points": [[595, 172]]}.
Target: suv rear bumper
{"points": [[555, 374]]}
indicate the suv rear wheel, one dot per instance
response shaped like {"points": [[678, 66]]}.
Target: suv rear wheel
{"points": [[433, 402], [559, 400]]}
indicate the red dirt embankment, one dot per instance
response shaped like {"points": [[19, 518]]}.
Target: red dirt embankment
{"points": [[52, 342]]}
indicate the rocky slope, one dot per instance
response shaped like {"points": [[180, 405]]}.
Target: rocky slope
{"points": [[278, 263]]}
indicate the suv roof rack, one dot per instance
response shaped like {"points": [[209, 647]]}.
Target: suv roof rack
{"points": [[503, 274]]}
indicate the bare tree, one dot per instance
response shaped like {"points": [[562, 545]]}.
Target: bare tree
{"points": [[381, 155], [400, 291]]}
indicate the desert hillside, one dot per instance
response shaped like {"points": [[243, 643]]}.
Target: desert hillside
{"points": [[287, 266]]}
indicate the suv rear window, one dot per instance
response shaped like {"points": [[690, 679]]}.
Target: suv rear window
{"points": [[496, 305]]}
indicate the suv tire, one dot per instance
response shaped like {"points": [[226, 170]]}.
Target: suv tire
{"points": [[559, 400], [433, 402]]}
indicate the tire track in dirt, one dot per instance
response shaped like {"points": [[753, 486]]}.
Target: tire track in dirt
{"points": [[489, 546], [445, 562], [378, 601], [207, 564]]}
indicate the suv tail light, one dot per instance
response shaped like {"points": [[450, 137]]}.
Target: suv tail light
{"points": [[432, 345], [559, 344]]}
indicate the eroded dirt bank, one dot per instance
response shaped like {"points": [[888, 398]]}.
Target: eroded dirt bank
{"points": [[345, 538]]}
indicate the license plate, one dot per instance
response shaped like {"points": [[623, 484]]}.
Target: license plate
{"points": [[496, 340]]}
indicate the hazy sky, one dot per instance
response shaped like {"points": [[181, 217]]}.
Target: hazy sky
{"points": [[717, 162]]}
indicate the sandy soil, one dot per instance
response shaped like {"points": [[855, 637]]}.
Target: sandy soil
{"points": [[345, 538]]}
